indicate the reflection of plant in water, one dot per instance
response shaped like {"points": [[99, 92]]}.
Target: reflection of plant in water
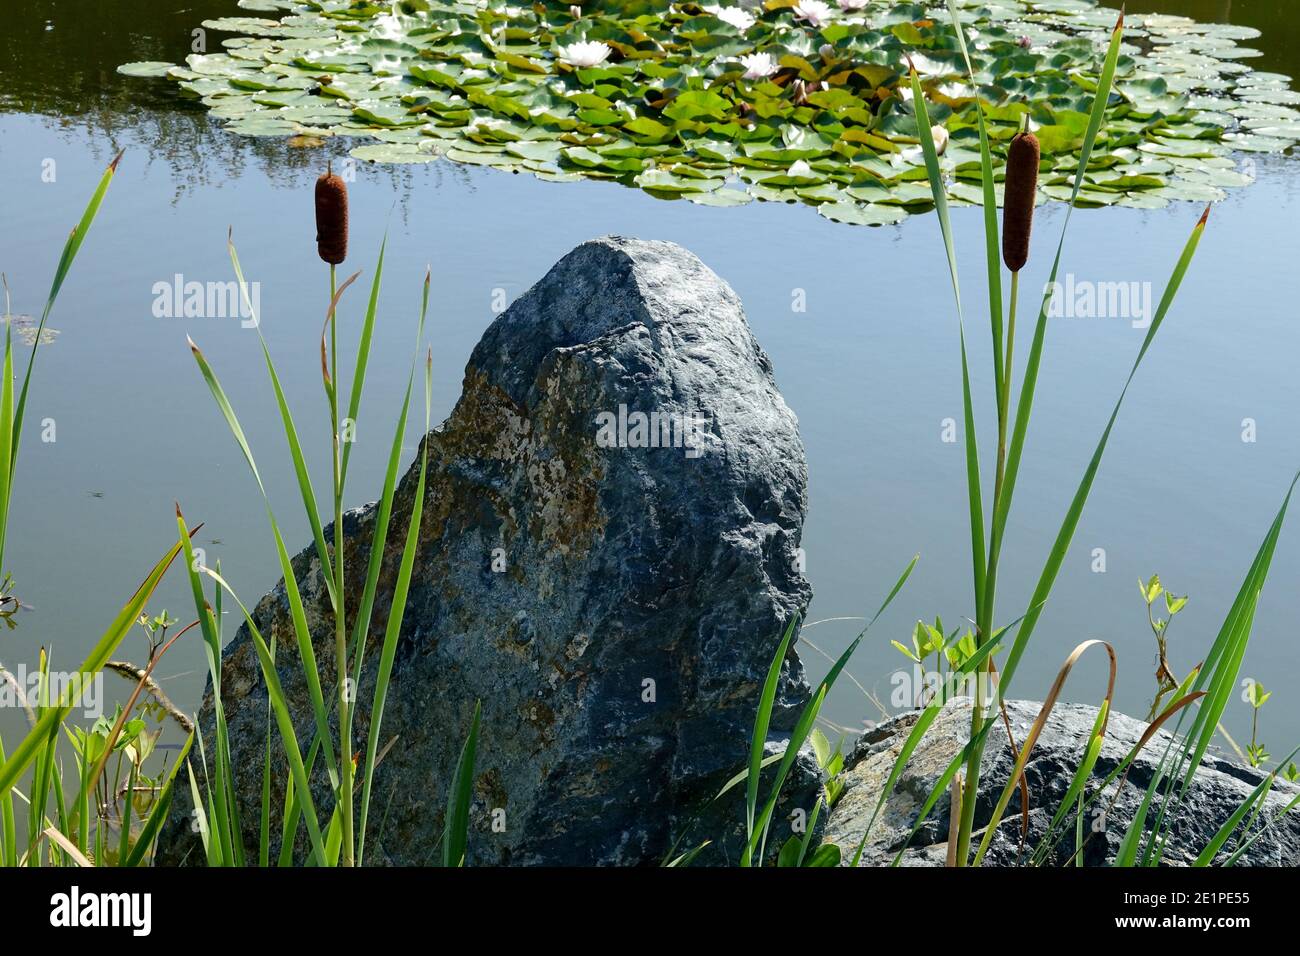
{"points": [[1166, 682], [9, 603]]}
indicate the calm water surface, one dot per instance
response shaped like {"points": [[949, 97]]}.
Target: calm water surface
{"points": [[871, 368]]}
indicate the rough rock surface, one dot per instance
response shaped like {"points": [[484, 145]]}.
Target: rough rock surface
{"points": [[1219, 787], [556, 578]]}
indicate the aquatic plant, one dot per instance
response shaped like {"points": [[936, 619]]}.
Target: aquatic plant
{"points": [[63, 833], [1166, 681], [786, 100], [111, 811], [1208, 687], [1257, 697], [343, 839]]}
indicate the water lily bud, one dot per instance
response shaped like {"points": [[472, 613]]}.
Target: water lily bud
{"points": [[331, 218], [1018, 204], [826, 52], [1025, 43], [575, 11], [940, 136]]}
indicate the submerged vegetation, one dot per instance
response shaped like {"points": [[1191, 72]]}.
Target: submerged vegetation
{"points": [[722, 102]]}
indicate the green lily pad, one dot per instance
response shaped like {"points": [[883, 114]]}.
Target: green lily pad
{"points": [[146, 68]]}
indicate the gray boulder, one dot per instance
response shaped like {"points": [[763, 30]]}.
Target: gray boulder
{"points": [[1219, 788], [611, 589]]}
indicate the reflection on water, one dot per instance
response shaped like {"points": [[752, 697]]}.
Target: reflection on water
{"points": [[1279, 39], [61, 66]]}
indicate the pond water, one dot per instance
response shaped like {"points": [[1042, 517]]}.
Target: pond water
{"points": [[871, 369]]}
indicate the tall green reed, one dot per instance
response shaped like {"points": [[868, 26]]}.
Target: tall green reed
{"points": [[1205, 691], [342, 840]]}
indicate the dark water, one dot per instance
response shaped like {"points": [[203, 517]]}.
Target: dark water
{"points": [[871, 368]]}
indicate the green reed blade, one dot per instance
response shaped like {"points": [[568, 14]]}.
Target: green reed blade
{"points": [[302, 633], [1220, 673], [939, 193], [1066, 533], [7, 449], [455, 836], [1252, 802], [8, 829], [762, 720], [991, 236], [383, 514], [158, 813], [392, 630], [363, 358], [70, 250], [1267, 827], [757, 838], [305, 487], [1026, 401], [222, 818], [283, 720], [927, 717]]}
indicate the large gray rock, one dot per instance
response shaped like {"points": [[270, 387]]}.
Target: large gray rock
{"points": [[614, 608], [1219, 788]]}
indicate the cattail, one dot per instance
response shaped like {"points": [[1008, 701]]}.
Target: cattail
{"points": [[331, 218], [1018, 204]]}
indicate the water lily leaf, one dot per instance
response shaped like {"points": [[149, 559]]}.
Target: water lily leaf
{"points": [[721, 197], [696, 104], [665, 181], [151, 68], [392, 153], [862, 214]]}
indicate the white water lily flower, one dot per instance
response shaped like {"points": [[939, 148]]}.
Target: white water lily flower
{"points": [[814, 12], [800, 168], [585, 53], [853, 4], [737, 17], [940, 138], [758, 65]]}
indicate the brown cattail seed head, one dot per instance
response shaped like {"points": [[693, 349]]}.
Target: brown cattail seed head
{"points": [[1018, 204], [331, 218]]}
